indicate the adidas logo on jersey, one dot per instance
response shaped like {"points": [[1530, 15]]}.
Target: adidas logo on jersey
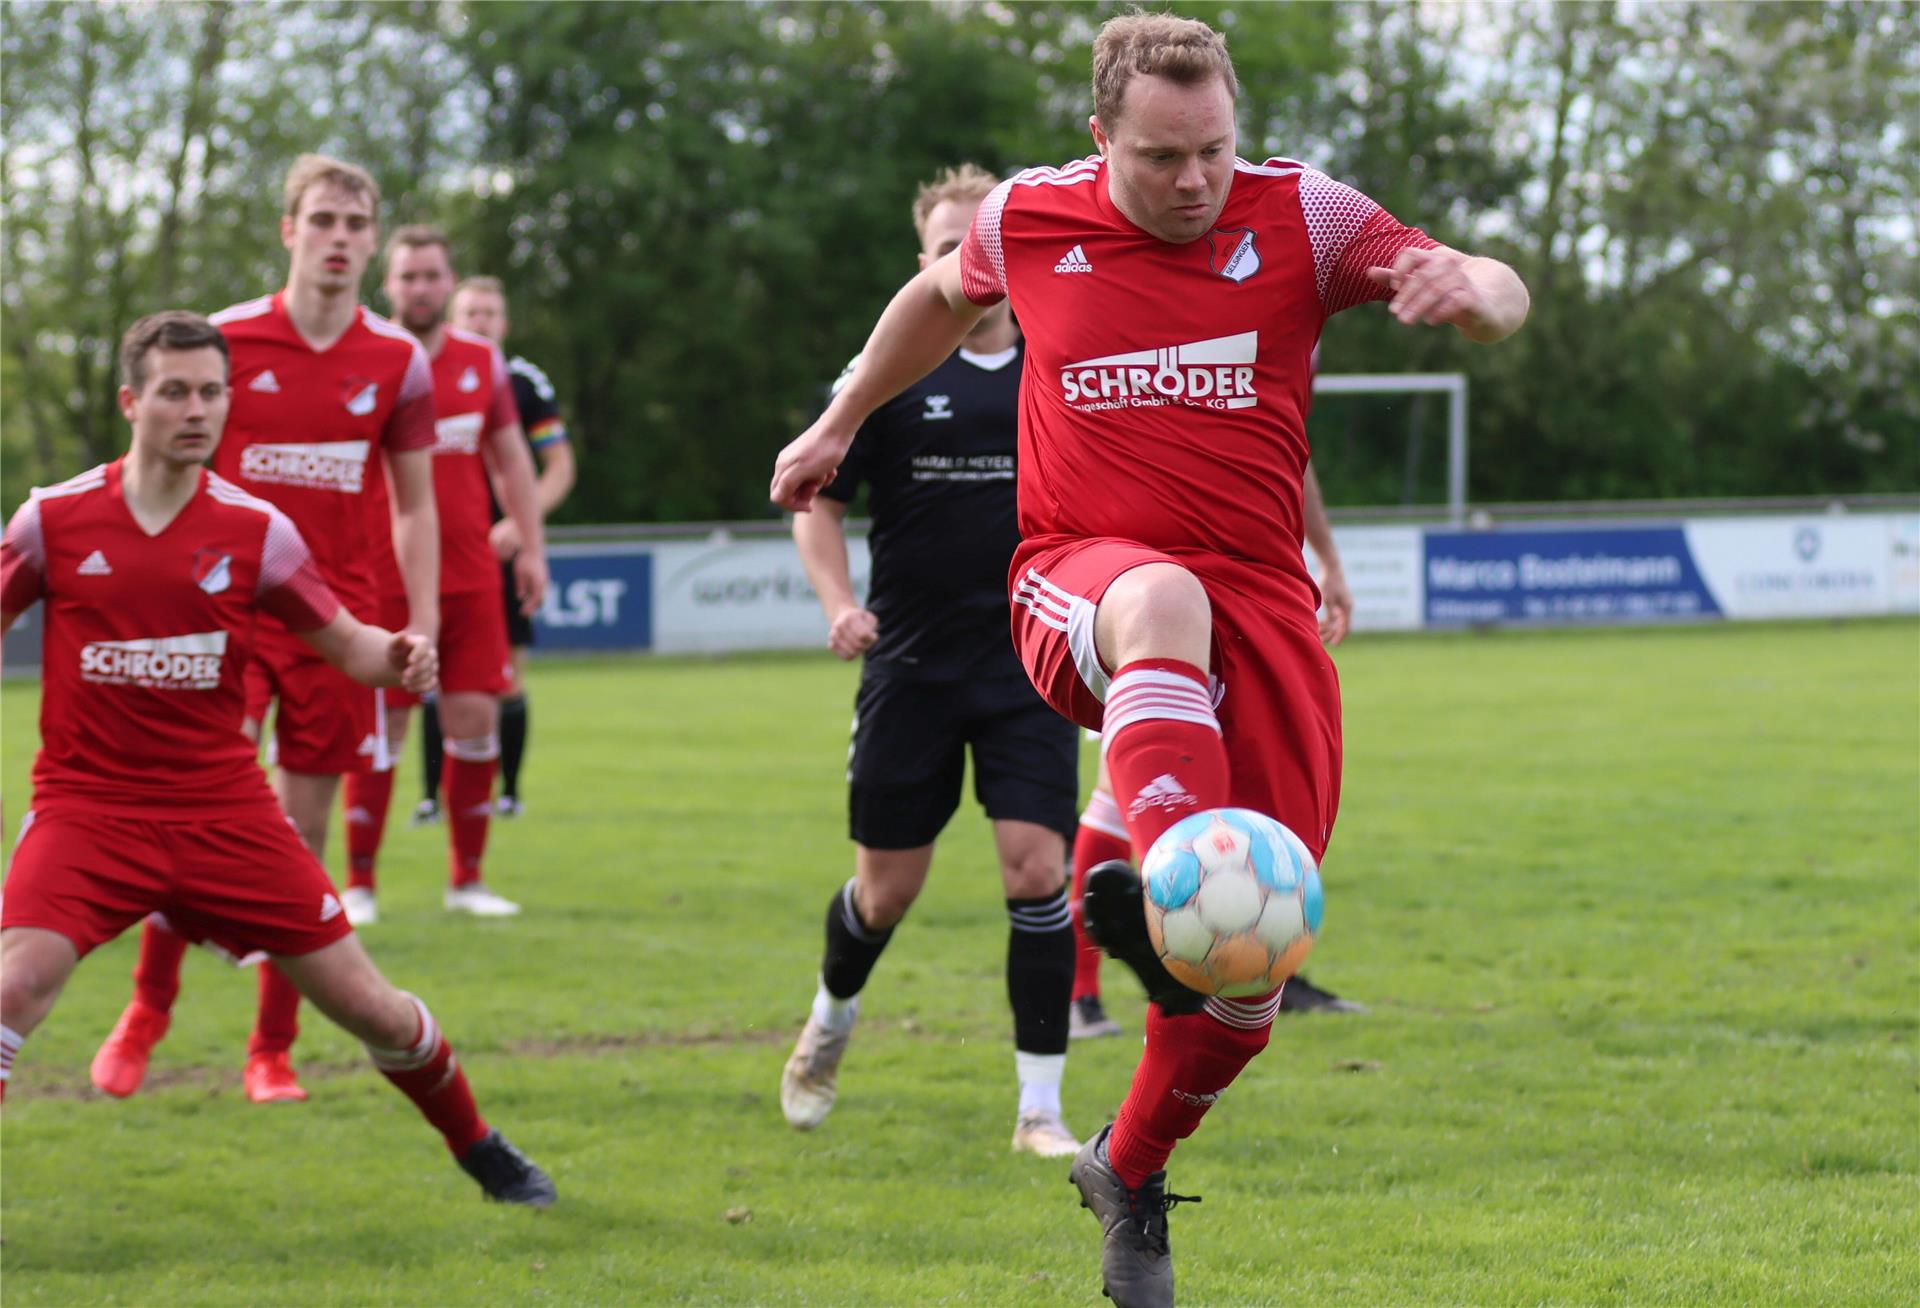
{"points": [[95, 565], [266, 383], [1074, 260], [1164, 791]]}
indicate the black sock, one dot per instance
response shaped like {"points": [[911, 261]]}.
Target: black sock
{"points": [[1040, 971], [430, 753], [853, 947], [513, 743]]}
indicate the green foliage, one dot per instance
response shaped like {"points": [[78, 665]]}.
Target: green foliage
{"points": [[701, 208], [1634, 910]]}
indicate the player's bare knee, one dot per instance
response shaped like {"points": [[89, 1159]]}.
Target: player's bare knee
{"points": [[882, 905], [1157, 610], [1033, 876]]}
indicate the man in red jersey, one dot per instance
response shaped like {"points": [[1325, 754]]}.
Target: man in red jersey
{"points": [[329, 401], [477, 425], [1171, 295], [157, 577]]}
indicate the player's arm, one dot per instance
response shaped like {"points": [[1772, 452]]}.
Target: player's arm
{"points": [[513, 472], [557, 475], [23, 564], [822, 540], [1335, 594], [1482, 297], [925, 322], [416, 536], [375, 656]]}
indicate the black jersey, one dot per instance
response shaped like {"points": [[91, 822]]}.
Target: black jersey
{"points": [[939, 461]]}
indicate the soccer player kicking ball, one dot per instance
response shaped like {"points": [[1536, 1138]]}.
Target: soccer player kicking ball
{"points": [[147, 795], [475, 424], [329, 400], [940, 678], [1171, 295]]}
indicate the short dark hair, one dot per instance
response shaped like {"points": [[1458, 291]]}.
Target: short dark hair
{"points": [[418, 236], [170, 329]]}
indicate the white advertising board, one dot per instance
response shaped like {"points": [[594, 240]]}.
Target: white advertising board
{"points": [[1813, 567], [1383, 567], [726, 594]]}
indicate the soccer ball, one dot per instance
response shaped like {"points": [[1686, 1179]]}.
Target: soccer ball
{"points": [[1233, 901]]}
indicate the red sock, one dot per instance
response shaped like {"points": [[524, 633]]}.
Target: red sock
{"points": [[156, 975], [277, 1022], [1101, 837], [468, 785], [428, 1073], [1188, 1062], [1164, 753], [367, 796]]}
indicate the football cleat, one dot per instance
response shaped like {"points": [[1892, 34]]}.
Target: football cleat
{"points": [[121, 1065], [360, 906], [270, 1079], [1136, 1263], [810, 1081], [476, 899], [1114, 910], [1045, 1135], [426, 811], [506, 1175], [1088, 1020], [508, 806], [1303, 996]]}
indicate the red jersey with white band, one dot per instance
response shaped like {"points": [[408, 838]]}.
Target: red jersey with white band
{"points": [[472, 396], [146, 637], [309, 428], [1166, 386]]}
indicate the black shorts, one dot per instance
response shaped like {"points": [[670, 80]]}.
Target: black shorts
{"points": [[908, 761], [519, 625]]}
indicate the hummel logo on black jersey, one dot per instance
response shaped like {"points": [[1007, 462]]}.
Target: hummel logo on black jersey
{"points": [[266, 383], [1074, 260], [95, 565]]}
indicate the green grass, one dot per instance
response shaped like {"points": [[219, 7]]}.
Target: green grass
{"points": [[1638, 914]]}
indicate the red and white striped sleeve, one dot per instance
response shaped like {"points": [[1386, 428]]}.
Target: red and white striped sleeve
{"points": [[23, 559], [1350, 233], [290, 585], [983, 260], [410, 425]]}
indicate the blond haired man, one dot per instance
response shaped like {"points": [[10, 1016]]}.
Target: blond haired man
{"points": [[940, 680], [1171, 295], [330, 403]]}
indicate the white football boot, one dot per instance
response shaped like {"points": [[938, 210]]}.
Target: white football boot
{"points": [[811, 1079], [1045, 1135], [361, 910], [479, 901]]}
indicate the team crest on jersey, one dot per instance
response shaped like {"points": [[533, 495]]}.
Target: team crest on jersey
{"points": [[1232, 253], [469, 380], [360, 395], [212, 570]]}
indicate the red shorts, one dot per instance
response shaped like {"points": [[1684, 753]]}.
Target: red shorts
{"points": [[325, 723], [238, 884], [473, 644], [1276, 692]]}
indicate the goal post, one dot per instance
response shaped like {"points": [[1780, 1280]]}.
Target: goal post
{"points": [[1452, 384]]}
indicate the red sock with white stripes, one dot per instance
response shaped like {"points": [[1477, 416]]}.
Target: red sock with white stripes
{"points": [[156, 973], [1189, 1061], [368, 795], [1164, 753], [1102, 836], [427, 1073], [276, 1023], [467, 782]]}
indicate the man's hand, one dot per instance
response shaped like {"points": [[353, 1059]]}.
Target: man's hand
{"points": [[414, 658], [807, 465], [505, 539], [529, 580], [853, 632], [1337, 598], [1484, 298]]}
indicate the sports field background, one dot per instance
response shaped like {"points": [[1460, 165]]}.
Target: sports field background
{"points": [[1638, 913]]}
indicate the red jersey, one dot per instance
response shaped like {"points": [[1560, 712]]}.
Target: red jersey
{"points": [[309, 428], [146, 639], [1166, 386], [472, 396]]}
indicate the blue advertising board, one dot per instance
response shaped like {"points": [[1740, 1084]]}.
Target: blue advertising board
{"points": [[1643, 574], [598, 597]]}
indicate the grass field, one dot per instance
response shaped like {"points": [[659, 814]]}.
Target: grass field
{"points": [[1638, 914]]}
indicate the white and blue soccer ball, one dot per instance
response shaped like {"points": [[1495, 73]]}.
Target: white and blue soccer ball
{"points": [[1233, 901]]}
